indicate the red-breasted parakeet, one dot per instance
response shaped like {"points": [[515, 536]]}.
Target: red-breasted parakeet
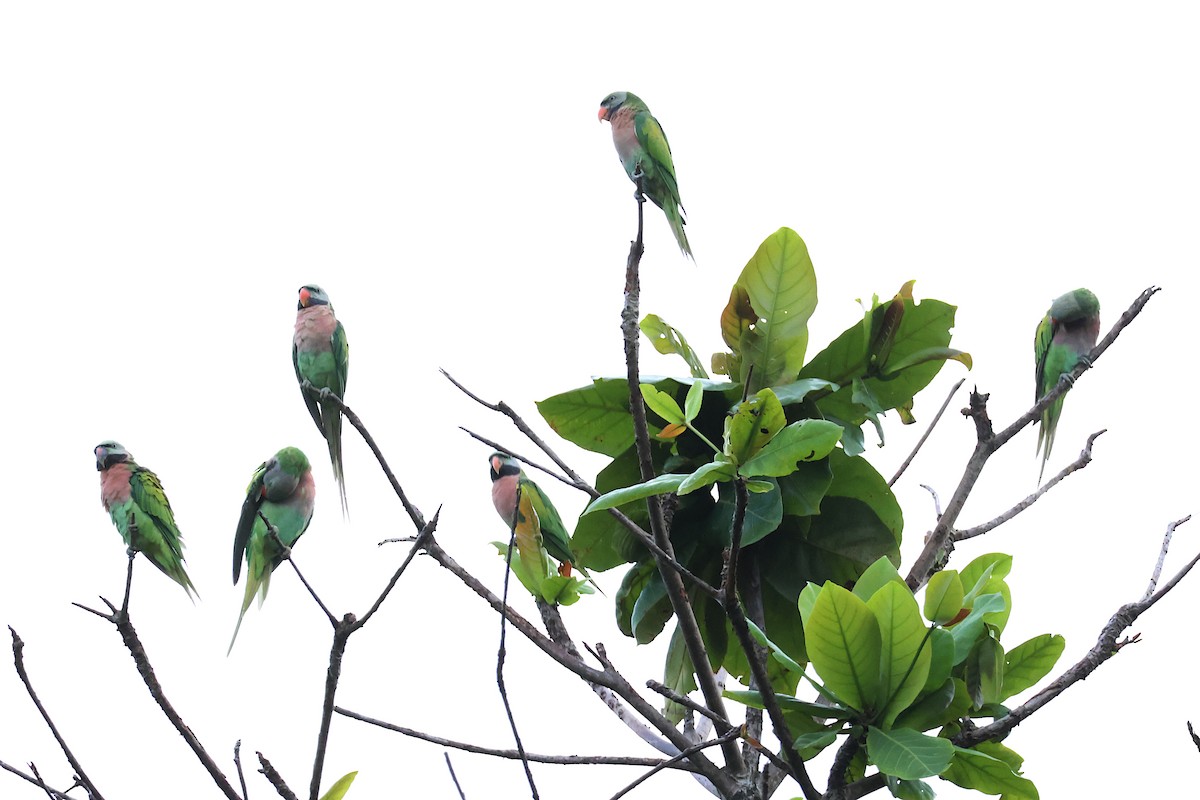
{"points": [[282, 490], [321, 356], [1064, 337], [134, 498], [641, 143]]}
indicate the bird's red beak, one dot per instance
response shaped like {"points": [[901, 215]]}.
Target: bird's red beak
{"points": [[602, 114], [305, 296], [496, 464]]}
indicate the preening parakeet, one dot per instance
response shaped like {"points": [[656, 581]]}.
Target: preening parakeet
{"points": [[322, 357], [538, 524], [134, 498], [1065, 335], [641, 143], [282, 490]]}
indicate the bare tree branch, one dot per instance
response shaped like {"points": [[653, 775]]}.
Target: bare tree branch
{"points": [[18, 648], [921, 442], [237, 762], [1162, 556], [454, 777], [275, 778], [57, 795], [722, 740]]}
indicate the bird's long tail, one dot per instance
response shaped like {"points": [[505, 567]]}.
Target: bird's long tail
{"points": [[332, 419], [254, 585], [1046, 433], [675, 217]]}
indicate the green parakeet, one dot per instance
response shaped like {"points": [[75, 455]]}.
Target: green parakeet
{"points": [[641, 143], [1065, 336], [321, 356], [282, 490], [538, 524], [134, 498]]}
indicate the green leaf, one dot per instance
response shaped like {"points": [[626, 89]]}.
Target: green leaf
{"points": [[984, 671], [843, 642], [950, 701], [594, 417], [943, 597], [904, 648], [777, 653], [340, 787], [677, 675], [966, 632], [691, 406], [796, 391], [764, 512], [754, 700], [635, 580], [942, 659], [660, 484], [600, 542], [753, 424], [804, 489], [984, 568], [907, 754], [876, 576], [1029, 662], [662, 404], [651, 610], [815, 739], [528, 578], [806, 440], [707, 475], [668, 340], [926, 355], [766, 321], [760, 487], [909, 790], [972, 769], [808, 599]]}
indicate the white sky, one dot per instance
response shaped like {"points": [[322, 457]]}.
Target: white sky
{"points": [[169, 177]]}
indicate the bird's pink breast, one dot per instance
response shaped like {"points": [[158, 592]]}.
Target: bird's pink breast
{"points": [[314, 329], [624, 134], [504, 497], [114, 485]]}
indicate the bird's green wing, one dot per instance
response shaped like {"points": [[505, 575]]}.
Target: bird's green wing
{"points": [[246, 520], [1041, 349], [313, 407], [554, 533], [650, 135], [341, 358], [147, 492]]}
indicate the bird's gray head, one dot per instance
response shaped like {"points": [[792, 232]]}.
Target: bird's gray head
{"points": [[312, 295], [503, 465], [610, 104], [109, 453]]}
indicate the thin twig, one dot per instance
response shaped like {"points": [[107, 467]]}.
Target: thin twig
{"points": [[453, 777], [1085, 458], [41, 783], [937, 501], [676, 591], [728, 737], [502, 651], [286, 551], [511, 754], [18, 647], [275, 778], [418, 544], [341, 633], [1195, 738], [921, 442], [1162, 556], [237, 762], [54, 792], [723, 725], [414, 514]]}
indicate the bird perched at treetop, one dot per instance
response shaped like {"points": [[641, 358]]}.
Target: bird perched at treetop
{"points": [[282, 491], [1064, 337], [538, 525], [641, 144], [321, 356], [134, 498]]}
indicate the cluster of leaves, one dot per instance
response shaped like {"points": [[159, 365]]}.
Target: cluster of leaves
{"points": [[886, 677], [789, 428]]}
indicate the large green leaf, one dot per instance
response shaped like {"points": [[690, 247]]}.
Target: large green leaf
{"points": [[806, 440], [659, 484], [340, 787], [668, 340], [985, 575], [876, 576], [1029, 662], [909, 790], [983, 671], [907, 754], [943, 597], [632, 585], [965, 633], [662, 404], [856, 478], [755, 423], [972, 769], [905, 651], [594, 417], [600, 542], [764, 512], [677, 675], [843, 642], [804, 489], [924, 328], [766, 320], [948, 702]]}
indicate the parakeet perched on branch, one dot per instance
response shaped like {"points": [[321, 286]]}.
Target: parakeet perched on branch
{"points": [[282, 491], [1064, 337], [538, 524], [134, 498], [641, 144], [322, 357]]}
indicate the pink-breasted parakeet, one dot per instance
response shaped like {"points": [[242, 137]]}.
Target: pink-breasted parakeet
{"points": [[641, 143], [134, 498], [321, 356], [283, 491], [1064, 337], [538, 524]]}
